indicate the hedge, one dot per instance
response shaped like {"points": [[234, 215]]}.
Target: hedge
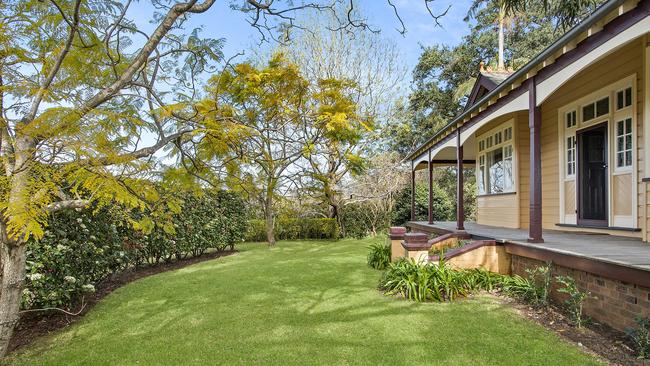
{"points": [[294, 229], [81, 248]]}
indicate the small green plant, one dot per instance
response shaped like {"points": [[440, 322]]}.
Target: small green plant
{"points": [[435, 281], [541, 278], [640, 337], [575, 301], [534, 289], [518, 287], [379, 256]]}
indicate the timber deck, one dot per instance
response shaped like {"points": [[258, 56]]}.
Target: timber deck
{"points": [[621, 251]]}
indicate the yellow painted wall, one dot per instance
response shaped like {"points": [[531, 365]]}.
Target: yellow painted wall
{"points": [[500, 210], [618, 65], [513, 210]]}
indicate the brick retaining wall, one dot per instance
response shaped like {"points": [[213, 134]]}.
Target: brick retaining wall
{"points": [[614, 303]]}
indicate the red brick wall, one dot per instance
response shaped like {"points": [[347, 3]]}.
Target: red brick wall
{"points": [[613, 302]]}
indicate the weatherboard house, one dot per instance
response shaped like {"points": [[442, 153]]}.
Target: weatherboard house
{"points": [[561, 164]]}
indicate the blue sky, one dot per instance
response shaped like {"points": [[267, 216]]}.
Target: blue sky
{"points": [[222, 22]]}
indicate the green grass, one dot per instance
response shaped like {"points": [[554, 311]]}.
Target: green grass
{"points": [[302, 303]]}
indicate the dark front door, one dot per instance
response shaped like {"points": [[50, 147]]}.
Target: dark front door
{"points": [[592, 176]]}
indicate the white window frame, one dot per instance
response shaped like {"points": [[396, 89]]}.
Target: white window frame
{"points": [[616, 109], [508, 137], [570, 147], [611, 118], [630, 134]]}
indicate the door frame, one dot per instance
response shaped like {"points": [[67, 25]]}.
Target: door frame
{"points": [[579, 133]]}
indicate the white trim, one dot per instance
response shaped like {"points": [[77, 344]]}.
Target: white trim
{"points": [[557, 80], [424, 157], [450, 143], [520, 103], [512, 142], [611, 119]]}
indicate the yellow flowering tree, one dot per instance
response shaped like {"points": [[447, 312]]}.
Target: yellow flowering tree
{"points": [[260, 122], [86, 100]]}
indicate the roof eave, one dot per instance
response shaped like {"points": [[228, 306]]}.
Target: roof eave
{"points": [[566, 38]]}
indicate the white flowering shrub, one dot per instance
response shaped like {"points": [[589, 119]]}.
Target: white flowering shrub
{"points": [[78, 250], [81, 248]]}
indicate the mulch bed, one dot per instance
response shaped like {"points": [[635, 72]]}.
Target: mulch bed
{"points": [[33, 325], [597, 339]]}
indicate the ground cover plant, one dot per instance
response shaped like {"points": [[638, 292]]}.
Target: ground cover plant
{"points": [[434, 281], [379, 255], [640, 337], [534, 289], [299, 303]]}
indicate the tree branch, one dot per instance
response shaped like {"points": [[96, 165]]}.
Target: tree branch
{"points": [[60, 205], [57, 65], [141, 58]]}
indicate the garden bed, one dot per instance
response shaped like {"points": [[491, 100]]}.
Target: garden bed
{"points": [[598, 339], [35, 324]]}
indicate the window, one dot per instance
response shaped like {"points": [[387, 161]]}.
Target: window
{"points": [[495, 172], [481, 174], [571, 119], [602, 107], [570, 156], [624, 143], [624, 98], [497, 138], [596, 109], [507, 134], [507, 168], [588, 112]]}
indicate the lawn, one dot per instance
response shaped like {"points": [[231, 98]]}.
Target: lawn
{"points": [[301, 303]]}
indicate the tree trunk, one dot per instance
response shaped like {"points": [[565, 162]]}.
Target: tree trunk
{"points": [[12, 247], [268, 213], [270, 229], [501, 61], [13, 276], [333, 210]]}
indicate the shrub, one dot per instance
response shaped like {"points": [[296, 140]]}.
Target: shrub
{"points": [[434, 282], [294, 229], [79, 249], [211, 220], [379, 256], [443, 206], [640, 337], [359, 220], [576, 299], [534, 289], [519, 287]]}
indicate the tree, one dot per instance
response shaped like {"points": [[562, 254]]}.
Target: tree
{"points": [[78, 91], [565, 14], [266, 117], [372, 64], [373, 195], [441, 76], [82, 89]]}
